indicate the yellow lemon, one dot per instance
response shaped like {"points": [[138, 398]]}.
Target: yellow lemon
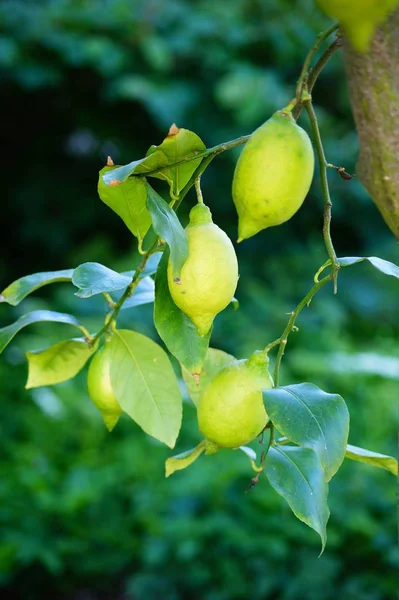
{"points": [[359, 18], [231, 411], [209, 276], [100, 388], [273, 175]]}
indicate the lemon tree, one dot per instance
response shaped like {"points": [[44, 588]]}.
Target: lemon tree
{"points": [[190, 275]]}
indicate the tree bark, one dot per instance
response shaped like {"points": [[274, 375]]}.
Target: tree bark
{"points": [[374, 89]]}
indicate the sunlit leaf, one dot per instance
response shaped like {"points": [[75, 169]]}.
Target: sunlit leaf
{"points": [[313, 419], [128, 200], [19, 289], [372, 458], [297, 475], [178, 145], [145, 385], [183, 460], [57, 363]]}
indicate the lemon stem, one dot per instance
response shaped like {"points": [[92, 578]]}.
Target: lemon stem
{"points": [[198, 190]]}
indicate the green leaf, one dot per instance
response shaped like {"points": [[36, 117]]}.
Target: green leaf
{"points": [[372, 458], [36, 316], [145, 385], [93, 278], [214, 361], [57, 363], [382, 265], [168, 227], [178, 145], [152, 264], [297, 475], [175, 329], [143, 294], [313, 419], [183, 460], [128, 200], [19, 289], [114, 176]]}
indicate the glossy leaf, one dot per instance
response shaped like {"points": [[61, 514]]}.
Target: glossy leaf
{"points": [[168, 227], [128, 200], [382, 265], [36, 316], [297, 475], [93, 278], [57, 363], [114, 176], [143, 294], [214, 361], [372, 458], [19, 289], [176, 330], [178, 145], [145, 385], [183, 460], [313, 419]]}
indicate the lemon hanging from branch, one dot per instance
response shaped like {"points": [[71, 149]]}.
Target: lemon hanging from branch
{"points": [[231, 412], [273, 175], [209, 276], [100, 388]]}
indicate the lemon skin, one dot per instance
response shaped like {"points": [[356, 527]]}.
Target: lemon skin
{"points": [[209, 276], [231, 411], [100, 388], [273, 175]]}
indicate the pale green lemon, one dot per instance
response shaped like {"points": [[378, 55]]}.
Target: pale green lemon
{"points": [[100, 388], [359, 18], [273, 175], [209, 276], [231, 411]]}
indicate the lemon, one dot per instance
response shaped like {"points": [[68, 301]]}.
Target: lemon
{"points": [[100, 388], [231, 412], [359, 18], [272, 175], [209, 276]]}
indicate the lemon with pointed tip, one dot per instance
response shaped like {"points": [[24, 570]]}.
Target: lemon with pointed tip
{"points": [[359, 18], [209, 276], [100, 388], [231, 411], [273, 175]]}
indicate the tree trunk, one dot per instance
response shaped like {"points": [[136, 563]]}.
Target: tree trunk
{"points": [[374, 89]]}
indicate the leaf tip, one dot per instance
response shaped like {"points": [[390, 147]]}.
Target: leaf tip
{"points": [[2, 298], [173, 130]]}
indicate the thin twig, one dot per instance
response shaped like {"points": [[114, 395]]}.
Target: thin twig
{"points": [[303, 77], [324, 189], [321, 63], [291, 322]]}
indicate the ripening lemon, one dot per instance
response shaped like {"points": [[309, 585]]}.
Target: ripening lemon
{"points": [[100, 389], [273, 175], [231, 411], [209, 276], [359, 18]]}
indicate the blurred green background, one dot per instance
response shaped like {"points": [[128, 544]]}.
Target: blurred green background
{"points": [[85, 515]]}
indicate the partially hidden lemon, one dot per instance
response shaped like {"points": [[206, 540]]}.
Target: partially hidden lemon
{"points": [[273, 175], [359, 18], [100, 388], [231, 411], [209, 276]]}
